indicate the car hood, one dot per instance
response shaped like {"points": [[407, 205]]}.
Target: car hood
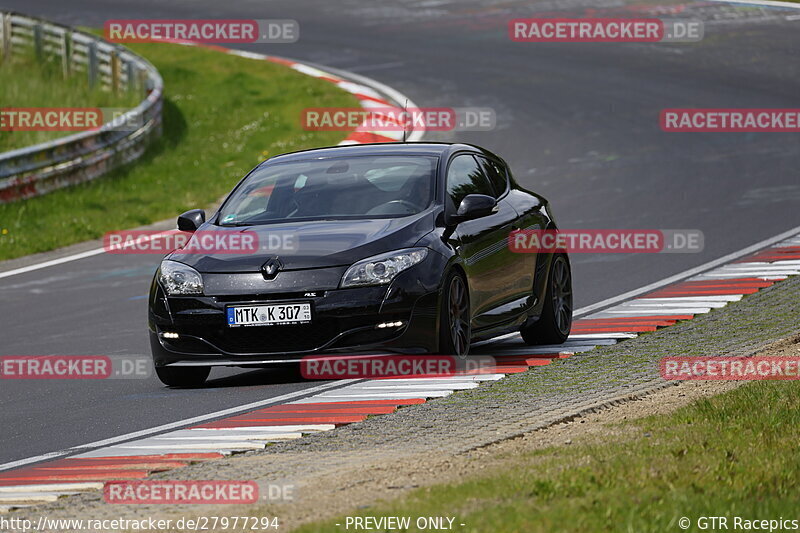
{"points": [[311, 244]]}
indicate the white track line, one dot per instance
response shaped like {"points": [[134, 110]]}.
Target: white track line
{"points": [[557, 348], [233, 434], [53, 262], [54, 487], [175, 425], [120, 451], [761, 3], [411, 387], [687, 299], [688, 273], [771, 277], [764, 263], [602, 336], [312, 71], [179, 447], [524, 349], [643, 303], [31, 497], [340, 397], [308, 428], [655, 311], [444, 379], [745, 267], [602, 340], [394, 95], [204, 436], [447, 379]]}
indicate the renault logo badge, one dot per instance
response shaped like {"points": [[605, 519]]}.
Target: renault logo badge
{"points": [[271, 268]]}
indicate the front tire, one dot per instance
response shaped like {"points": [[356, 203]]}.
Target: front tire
{"points": [[454, 317], [555, 322], [182, 376]]}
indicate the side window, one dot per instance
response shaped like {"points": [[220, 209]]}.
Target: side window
{"points": [[465, 177], [496, 174]]}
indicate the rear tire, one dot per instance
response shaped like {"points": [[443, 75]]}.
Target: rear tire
{"points": [[555, 322], [182, 376], [454, 316]]}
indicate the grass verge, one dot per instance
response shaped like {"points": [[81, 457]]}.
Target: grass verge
{"points": [[26, 82], [222, 115], [729, 455]]}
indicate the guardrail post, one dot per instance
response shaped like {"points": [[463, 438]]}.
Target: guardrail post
{"points": [[91, 64], [5, 37], [37, 41], [130, 84], [142, 82], [66, 54], [114, 63]]}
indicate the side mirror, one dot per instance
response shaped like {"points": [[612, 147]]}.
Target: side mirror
{"points": [[191, 220], [475, 206]]}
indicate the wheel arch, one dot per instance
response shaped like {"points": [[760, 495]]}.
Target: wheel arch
{"points": [[454, 266]]}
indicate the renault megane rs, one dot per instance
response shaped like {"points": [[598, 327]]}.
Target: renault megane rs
{"points": [[383, 248]]}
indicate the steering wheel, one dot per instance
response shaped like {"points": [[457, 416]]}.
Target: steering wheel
{"points": [[387, 207]]}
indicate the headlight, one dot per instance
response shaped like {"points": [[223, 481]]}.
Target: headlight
{"points": [[177, 278], [381, 269]]}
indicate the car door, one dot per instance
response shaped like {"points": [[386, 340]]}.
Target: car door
{"points": [[482, 243], [521, 267], [532, 216]]}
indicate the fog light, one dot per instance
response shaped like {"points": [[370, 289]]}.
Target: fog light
{"points": [[169, 335], [383, 325]]}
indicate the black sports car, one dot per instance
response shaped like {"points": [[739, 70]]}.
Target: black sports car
{"points": [[382, 248]]}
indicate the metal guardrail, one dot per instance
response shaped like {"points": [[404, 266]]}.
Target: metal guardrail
{"points": [[39, 169]]}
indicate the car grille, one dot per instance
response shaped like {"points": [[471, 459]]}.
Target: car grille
{"points": [[267, 339]]}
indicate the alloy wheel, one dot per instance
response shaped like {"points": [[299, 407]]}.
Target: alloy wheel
{"points": [[561, 291], [458, 310]]}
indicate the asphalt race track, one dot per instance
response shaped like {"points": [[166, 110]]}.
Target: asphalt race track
{"points": [[577, 123]]}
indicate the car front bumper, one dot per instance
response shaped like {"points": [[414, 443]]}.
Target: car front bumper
{"points": [[344, 321]]}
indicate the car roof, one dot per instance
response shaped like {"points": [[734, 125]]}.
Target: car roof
{"points": [[397, 148]]}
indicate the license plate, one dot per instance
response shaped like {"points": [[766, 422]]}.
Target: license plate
{"points": [[269, 315]]}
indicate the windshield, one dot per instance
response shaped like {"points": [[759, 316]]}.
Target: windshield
{"points": [[352, 188]]}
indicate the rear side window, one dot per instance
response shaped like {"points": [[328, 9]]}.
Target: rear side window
{"points": [[496, 174], [465, 176]]}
